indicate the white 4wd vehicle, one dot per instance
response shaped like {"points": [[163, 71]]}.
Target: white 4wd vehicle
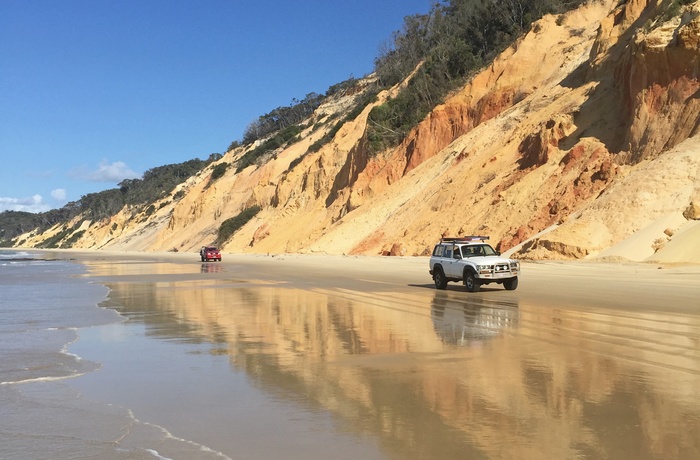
{"points": [[472, 261]]}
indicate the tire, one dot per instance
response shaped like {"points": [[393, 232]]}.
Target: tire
{"points": [[511, 284], [439, 278], [470, 282]]}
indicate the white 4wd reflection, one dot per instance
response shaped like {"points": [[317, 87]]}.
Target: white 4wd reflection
{"points": [[467, 320]]}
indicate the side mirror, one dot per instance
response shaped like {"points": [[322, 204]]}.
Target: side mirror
{"points": [[457, 256]]}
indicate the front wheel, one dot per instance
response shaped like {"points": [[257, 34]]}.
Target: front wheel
{"points": [[440, 279], [511, 284], [471, 282]]}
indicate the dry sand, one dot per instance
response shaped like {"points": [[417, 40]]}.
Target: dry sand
{"points": [[649, 285]]}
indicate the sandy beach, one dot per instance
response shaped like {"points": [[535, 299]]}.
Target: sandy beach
{"points": [[320, 356]]}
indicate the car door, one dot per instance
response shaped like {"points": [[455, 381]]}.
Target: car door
{"points": [[453, 266]]}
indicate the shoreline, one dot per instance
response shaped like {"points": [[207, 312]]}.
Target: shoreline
{"points": [[105, 253], [296, 346]]}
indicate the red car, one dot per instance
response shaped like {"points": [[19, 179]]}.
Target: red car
{"points": [[208, 253]]}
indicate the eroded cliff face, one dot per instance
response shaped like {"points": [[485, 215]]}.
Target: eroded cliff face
{"points": [[663, 90], [543, 151]]}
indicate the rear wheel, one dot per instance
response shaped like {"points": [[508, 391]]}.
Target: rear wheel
{"points": [[511, 284], [471, 282], [439, 278]]}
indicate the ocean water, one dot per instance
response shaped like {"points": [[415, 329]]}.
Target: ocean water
{"points": [[43, 306]]}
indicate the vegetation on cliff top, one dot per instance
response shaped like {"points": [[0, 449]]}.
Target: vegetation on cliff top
{"points": [[156, 183], [283, 126], [446, 46]]}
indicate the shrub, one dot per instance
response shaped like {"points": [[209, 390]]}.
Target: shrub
{"points": [[282, 117], [295, 162], [73, 239], [232, 225], [55, 240], [286, 136], [363, 102], [674, 9], [218, 171], [342, 87]]}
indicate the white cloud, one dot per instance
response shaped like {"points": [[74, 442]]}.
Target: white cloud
{"points": [[114, 172], [58, 194], [30, 204]]}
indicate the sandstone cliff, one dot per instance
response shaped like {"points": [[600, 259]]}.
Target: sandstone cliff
{"points": [[581, 140]]}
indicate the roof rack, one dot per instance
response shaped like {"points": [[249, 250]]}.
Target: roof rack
{"points": [[464, 239]]}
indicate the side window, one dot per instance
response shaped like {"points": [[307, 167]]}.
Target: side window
{"points": [[448, 252], [457, 253], [437, 252]]}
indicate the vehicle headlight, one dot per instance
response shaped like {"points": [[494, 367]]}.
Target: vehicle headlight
{"points": [[485, 268]]}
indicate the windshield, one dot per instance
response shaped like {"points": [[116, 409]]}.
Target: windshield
{"points": [[477, 250]]}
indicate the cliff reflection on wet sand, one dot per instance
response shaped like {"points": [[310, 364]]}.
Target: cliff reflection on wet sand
{"points": [[440, 374]]}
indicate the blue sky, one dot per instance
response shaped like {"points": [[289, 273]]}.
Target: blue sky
{"points": [[96, 91]]}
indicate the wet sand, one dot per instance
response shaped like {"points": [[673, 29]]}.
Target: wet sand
{"points": [[354, 357]]}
